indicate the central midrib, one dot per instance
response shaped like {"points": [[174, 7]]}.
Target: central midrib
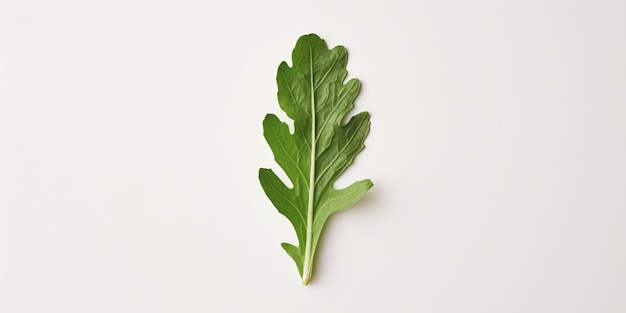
{"points": [[306, 272]]}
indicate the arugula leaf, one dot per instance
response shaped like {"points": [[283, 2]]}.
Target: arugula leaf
{"points": [[313, 94]]}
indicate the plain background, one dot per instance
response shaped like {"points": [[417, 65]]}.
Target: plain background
{"points": [[130, 137]]}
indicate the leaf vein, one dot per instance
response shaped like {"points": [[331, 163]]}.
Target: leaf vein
{"points": [[340, 152]]}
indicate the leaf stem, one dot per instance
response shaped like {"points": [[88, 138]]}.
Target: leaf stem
{"points": [[308, 253]]}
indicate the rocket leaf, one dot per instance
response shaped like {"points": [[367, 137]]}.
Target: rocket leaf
{"points": [[313, 94]]}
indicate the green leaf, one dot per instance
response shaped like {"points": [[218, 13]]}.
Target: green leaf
{"points": [[313, 94]]}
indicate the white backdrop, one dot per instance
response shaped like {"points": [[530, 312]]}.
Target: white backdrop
{"points": [[130, 139]]}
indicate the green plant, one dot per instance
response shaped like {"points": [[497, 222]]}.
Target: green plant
{"points": [[313, 94]]}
